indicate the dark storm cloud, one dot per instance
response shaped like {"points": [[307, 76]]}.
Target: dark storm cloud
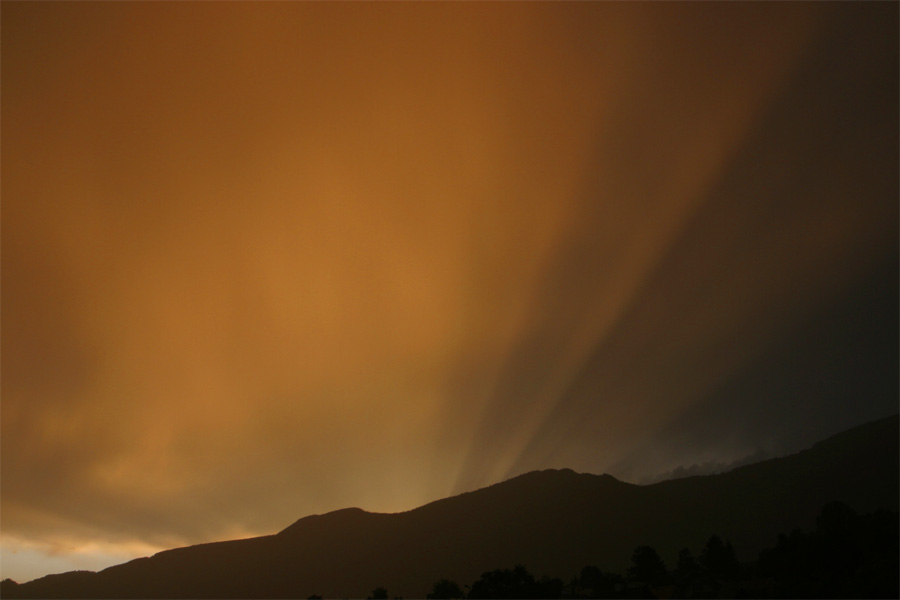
{"points": [[794, 224], [266, 260], [838, 366]]}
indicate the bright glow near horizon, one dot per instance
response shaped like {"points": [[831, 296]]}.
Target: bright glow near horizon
{"points": [[267, 260]]}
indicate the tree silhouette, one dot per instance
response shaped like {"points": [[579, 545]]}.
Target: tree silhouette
{"points": [[847, 556], [687, 565], [647, 566], [718, 558], [594, 583], [514, 583], [444, 589], [838, 528], [379, 593], [687, 574]]}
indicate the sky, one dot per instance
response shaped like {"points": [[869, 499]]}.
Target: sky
{"points": [[266, 260]]}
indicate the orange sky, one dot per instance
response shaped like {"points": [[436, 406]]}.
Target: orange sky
{"points": [[266, 260]]}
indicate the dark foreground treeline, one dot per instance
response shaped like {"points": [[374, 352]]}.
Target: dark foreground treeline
{"points": [[847, 556]]}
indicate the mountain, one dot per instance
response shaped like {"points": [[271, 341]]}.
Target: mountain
{"points": [[554, 522]]}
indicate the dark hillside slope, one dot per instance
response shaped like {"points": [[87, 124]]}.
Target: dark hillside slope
{"points": [[554, 522], [860, 467]]}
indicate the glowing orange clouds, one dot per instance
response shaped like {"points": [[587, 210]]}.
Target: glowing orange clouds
{"points": [[265, 260]]}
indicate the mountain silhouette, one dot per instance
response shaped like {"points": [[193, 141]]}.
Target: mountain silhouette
{"points": [[553, 521]]}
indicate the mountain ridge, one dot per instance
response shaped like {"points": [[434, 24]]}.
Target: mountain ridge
{"points": [[553, 521]]}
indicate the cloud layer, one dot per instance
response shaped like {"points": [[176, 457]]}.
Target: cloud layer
{"points": [[261, 261]]}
